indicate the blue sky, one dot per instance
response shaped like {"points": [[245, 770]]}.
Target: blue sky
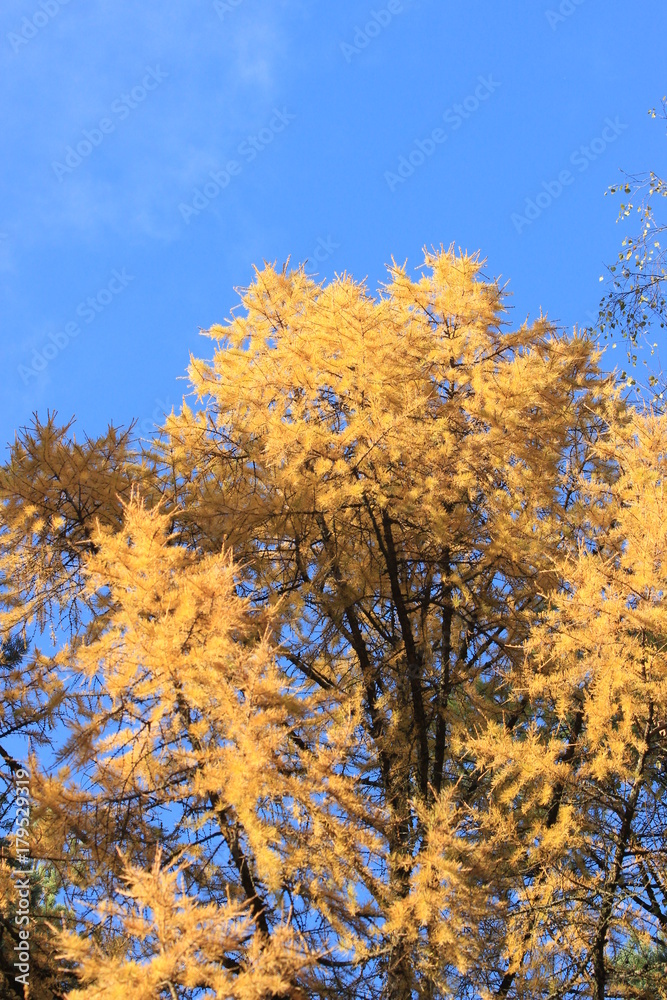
{"points": [[114, 116]]}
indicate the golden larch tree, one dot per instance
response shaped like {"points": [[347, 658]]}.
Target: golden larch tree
{"points": [[351, 706]]}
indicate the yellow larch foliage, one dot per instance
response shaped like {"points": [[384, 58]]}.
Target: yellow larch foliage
{"points": [[193, 743], [363, 680], [585, 788], [172, 942]]}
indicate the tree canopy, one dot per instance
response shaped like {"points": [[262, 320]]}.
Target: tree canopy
{"points": [[353, 681]]}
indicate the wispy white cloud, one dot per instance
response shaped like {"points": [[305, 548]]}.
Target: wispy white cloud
{"points": [[223, 74]]}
